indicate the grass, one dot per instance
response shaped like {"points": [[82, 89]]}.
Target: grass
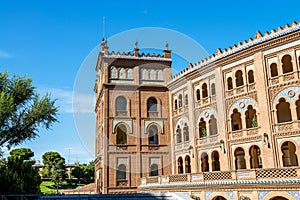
{"points": [[48, 187]]}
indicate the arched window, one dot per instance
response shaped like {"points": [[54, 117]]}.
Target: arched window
{"points": [[251, 118], [145, 74], [283, 111], [152, 74], [202, 128], [154, 170], [198, 94], [186, 100], [298, 108], [129, 74], [121, 73], [204, 162], [187, 164], [159, 75], [113, 72], [178, 135], [180, 165], [213, 89], [289, 158], [287, 65], [213, 130], [215, 161], [204, 90], [121, 104], [274, 71], [121, 172], [255, 158], [229, 84], [236, 121], [186, 136], [153, 134], [175, 104], [239, 81], [240, 162], [152, 105], [180, 101], [250, 76], [121, 134]]}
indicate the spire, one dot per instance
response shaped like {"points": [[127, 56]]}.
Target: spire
{"points": [[136, 49], [167, 52], [104, 47]]}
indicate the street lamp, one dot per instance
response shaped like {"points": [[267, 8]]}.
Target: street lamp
{"points": [[191, 151], [266, 140], [222, 145]]}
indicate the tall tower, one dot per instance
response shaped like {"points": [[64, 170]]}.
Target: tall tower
{"points": [[132, 119]]}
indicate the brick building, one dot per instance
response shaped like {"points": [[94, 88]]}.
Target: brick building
{"points": [[226, 127]]}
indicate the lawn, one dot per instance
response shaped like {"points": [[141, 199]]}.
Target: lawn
{"points": [[48, 187]]}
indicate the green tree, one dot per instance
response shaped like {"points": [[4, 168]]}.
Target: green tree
{"points": [[54, 167], [22, 110], [84, 173], [17, 175]]}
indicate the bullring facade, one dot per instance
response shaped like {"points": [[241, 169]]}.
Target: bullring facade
{"points": [[224, 128]]}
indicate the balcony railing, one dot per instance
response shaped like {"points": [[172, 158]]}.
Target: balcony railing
{"points": [[244, 133], [287, 126], [234, 175]]}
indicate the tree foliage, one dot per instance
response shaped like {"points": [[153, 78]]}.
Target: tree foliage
{"points": [[17, 175], [22, 110], [54, 167], [84, 173]]}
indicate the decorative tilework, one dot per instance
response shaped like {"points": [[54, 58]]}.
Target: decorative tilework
{"points": [[245, 102], [288, 94], [128, 122], [160, 123], [206, 114], [295, 194], [230, 194], [262, 194], [207, 194]]}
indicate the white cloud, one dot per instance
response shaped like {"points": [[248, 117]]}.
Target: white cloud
{"points": [[69, 101], [4, 54]]}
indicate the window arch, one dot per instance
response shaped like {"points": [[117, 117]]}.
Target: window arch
{"points": [[204, 162], [154, 170], [144, 74], [274, 71], [298, 108], [187, 164], [250, 76], [129, 74], [202, 128], [175, 104], [121, 172], [152, 74], [236, 121], [180, 101], [213, 129], [215, 161], [121, 134], [213, 89], [121, 104], [121, 73], [289, 157], [204, 90], [198, 94], [255, 158], [113, 72], [186, 135], [159, 75], [186, 100], [251, 118], [283, 111], [178, 135], [287, 65], [152, 105], [180, 165], [229, 84], [153, 134], [239, 81], [240, 162]]}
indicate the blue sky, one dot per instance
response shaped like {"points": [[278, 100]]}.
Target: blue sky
{"points": [[49, 40]]}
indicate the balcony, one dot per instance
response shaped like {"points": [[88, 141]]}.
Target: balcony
{"points": [[244, 133], [287, 126], [152, 114], [207, 140], [122, 183], [285, 175], [121, 113]]}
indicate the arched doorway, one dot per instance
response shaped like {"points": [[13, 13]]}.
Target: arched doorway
{"points": [[204, 162], [255, 158], [279, 198], [180, 165], [240, 162], [289, 157], [215, 161], [187, 164]]}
